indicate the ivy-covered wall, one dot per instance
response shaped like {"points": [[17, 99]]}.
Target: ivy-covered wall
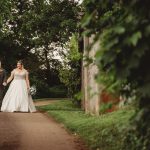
{"points": [[123, 27]]}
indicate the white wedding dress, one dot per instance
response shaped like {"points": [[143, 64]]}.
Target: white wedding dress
{"points": [[17, 97]]}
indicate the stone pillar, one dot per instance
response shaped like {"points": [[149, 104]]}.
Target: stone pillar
{"points": [[91, 90], [85, 76]]}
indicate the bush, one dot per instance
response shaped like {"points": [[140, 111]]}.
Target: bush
{"points": [[77, 98], [58, 91], [44, 91]]}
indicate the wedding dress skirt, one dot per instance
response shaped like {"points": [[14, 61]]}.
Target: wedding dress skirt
{"points": [[17, 97]]}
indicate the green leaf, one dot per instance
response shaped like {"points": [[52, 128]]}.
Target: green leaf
{"points": [[119, 29], [86, 20], [135, 38]]}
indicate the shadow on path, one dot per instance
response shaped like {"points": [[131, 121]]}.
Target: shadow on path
{"points": [[9, 132]]}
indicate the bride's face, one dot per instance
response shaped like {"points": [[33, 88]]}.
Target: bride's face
{"points": [[19, 65]]}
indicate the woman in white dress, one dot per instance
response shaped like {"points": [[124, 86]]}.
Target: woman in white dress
{"points": [[18, 97]]}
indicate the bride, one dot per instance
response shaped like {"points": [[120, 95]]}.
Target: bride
{"points": [[17, 97]]}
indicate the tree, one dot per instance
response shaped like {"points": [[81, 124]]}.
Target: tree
{"points": [[70, 72], [5, 8], [123, 30], [35, 30]]}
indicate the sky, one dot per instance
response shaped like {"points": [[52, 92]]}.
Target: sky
{"points": [[80, 1]]}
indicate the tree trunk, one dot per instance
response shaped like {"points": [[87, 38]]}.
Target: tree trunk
{"points": [[47, 65]]}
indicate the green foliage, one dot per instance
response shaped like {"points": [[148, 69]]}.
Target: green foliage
{"points": [[104, 132], [124, 49], [74, 54], [58, 91], [70, 79], [105, 106], [5, 13], [43, 89], [60, 105], [35, 31], [134, 139], [77, 98], [70, 73], [122, 27]]}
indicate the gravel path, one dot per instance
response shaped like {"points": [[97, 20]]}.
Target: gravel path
{"points": [[34, 131]]}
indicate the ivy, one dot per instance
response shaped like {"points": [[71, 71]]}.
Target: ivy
{"points": [[123, 57]]}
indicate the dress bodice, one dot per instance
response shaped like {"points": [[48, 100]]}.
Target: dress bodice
{"points": [[19, 75]]}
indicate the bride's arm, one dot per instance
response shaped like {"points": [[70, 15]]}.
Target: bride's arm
{"points": [[11, 77], [27, 80]]}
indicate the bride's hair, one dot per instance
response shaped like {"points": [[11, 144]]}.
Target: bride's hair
{"points": [[20, 62]]}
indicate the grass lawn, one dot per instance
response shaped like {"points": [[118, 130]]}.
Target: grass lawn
{"points": [[44, 99], [99, 132]]}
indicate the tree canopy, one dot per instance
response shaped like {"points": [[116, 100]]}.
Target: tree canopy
{"points": [[34, 31]]}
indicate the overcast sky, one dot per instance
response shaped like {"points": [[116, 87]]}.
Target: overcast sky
{"points": [[80, 1]]}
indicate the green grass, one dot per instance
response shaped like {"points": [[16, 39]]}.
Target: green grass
{"points": [[103, 132], [44, 99]]}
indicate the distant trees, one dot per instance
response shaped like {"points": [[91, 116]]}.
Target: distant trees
{"points": [[70, 73], [34, 31]]}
